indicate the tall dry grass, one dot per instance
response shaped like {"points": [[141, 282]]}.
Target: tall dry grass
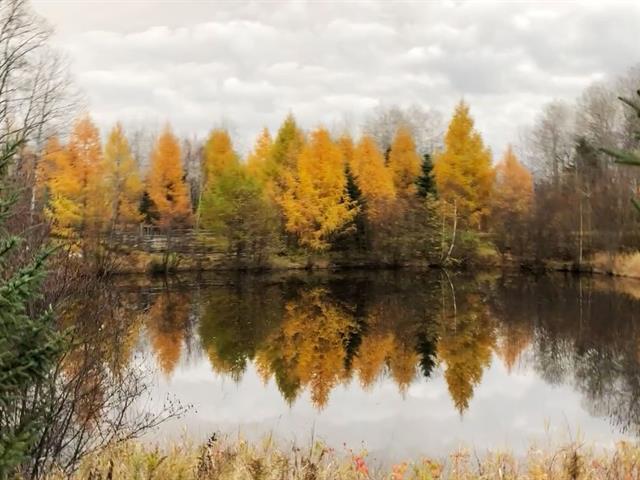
{"points": [[618, 264], [240, 460]]}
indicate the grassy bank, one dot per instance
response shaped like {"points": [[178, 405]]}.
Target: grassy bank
{"points": [[239, 460]]}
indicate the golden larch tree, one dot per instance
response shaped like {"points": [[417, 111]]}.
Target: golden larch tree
{"points": [[463, 172], [314, 201], [284, 155], [218, 156], [78, 200], [259, 157], [63, 188], [345, 142], [123, 183], [373, 178], [166, 185], [404, 162], [513, 185]]}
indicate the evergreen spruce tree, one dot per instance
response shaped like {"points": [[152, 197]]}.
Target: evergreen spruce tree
{"points": [[627, 157], [29, 344], [425, 182], [359, 220]]}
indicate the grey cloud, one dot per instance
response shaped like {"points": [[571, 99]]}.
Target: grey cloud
{"points": [[196, 63]]}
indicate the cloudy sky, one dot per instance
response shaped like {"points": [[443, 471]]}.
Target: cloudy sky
{"points": [[245, 65]]}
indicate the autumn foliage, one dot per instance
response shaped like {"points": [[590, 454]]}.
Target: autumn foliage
{"points": [[463, 171], [314, 199], [304, 192], [166, 185]]}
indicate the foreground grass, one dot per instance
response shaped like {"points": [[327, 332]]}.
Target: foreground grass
{"points": [[240, 460]]}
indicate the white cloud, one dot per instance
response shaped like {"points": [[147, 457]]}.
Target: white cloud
{"points": [[196, 63]]}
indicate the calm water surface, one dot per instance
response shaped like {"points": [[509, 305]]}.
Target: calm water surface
{"points": [[405, 363]]}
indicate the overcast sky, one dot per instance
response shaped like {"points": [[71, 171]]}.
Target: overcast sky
{"points": [[200, 64]]}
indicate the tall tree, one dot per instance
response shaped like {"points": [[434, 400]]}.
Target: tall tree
{"points": [[236, 208], [29, 344], [404, 162], [259, 157], [511, 202], [166, 185], [124, 185], [425, 183], [218, 156], [513, 185], [628, 157], [78, 200], [62, 188], [284, 154], [463, 172], [314, 201], [373, 178]]}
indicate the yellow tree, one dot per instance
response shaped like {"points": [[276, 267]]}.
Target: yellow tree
{"points": [[373, 178], [77, 188], [218, 156], [63, 188], [284, 155], [513, 185], [510, 204], [345, 142], [166, 185], [463, 172], [259, 157], [404, 162], [314, 201], [124, 185], [86, 157]]}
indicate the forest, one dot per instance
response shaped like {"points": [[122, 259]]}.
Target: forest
{"points": [[381, 198]]}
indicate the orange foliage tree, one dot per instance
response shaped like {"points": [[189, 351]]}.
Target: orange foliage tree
{"points": [[404, 162], [123, 183], [373, 178], [257, 161], [166, 185], [463, 172], [218, 156], [511, 201], [314, 200], [78, 202]]}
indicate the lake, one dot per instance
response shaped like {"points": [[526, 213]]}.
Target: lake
{"points": [[403, 363]]}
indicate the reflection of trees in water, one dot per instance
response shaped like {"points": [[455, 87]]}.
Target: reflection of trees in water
{"points": [[467, 339], [94, 393], [321, 333], [316, 333], [310, 343], [583, 333], [166, 323]]}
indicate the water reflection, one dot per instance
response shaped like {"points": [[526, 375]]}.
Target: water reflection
{"points": [[313, 333]]}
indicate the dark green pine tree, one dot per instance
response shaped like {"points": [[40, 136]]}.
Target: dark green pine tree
{"points": [[627, 157], [29, 343], [352, 236], [425, 182]]}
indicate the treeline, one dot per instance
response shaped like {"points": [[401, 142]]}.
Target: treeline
{"points": [[309, 192], [581, 204]]}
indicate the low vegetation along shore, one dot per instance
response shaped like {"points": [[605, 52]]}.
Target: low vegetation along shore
{"points": [[226, 460]]}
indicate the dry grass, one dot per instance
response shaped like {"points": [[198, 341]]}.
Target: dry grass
{"points": [[239, 460], [619, 264]]}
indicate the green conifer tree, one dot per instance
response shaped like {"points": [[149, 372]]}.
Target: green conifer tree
{"points": [[425, 182], [29, 343], [628, 157]]}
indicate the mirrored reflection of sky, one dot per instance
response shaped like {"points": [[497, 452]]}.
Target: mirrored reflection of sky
{"points": [[509, 410]]}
